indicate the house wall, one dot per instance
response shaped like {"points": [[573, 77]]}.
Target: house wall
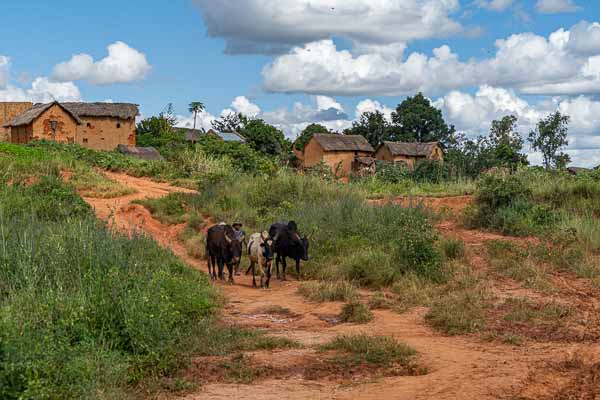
{"points": [[66, 127], [384, 154], [105, 133], [436, 154], [8, 111], [314, 154]]}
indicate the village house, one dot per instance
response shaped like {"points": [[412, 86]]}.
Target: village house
{"points": [[100, 126], [193, 135], [344, 154], [409, 153]]}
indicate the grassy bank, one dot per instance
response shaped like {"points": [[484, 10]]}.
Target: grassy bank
{"points": [[84, 312]]}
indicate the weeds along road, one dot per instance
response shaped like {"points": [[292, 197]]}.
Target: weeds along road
{"points": [[459, 367]]}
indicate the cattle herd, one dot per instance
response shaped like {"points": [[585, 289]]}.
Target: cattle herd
{"points": [[224, 247]]}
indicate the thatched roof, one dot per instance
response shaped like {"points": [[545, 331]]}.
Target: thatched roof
{"points": [[333, 142], [577, 170], [30, 115], [114, 110], [144, 153], [192, 135], [411, 149]]}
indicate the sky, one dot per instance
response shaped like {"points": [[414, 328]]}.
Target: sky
{"points": [[297, 62]]}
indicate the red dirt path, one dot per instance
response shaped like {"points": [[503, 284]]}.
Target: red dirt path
{"points": [[459, 367]]}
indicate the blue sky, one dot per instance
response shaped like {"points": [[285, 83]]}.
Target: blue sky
{"points": [[356, 55]]}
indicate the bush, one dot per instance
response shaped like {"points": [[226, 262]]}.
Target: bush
{"points": [[431, 171], [327, 291], [458, 312], [242, 156], [453, 249], [371, 268], [392, 173]]}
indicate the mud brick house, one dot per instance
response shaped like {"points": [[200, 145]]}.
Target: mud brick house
{"points": [[341, 153], [409, 153], [100, 126]]}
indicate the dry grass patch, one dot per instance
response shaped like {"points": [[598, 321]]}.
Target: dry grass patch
{"points": [[328, 291]]}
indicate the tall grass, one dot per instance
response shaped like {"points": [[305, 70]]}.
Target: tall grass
{"points": [[341, 221], [84, 312]]}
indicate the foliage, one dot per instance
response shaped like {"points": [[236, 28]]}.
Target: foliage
{"points": [[264, 138], [196, 107], [230, 122], [453, 249], [549, 137], [392, 172], [419, 121], [374, 127], [85, 312], [506, 144], [307, 134], [458, 312], [327, 291]]}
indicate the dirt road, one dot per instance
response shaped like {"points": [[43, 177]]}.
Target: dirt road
{"points": [[458, 367]]}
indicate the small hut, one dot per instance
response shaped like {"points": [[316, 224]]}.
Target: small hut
{"points": [[339, 152], [409, 153]]}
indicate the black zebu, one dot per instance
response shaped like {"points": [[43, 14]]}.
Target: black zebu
{"points": [[222, 248], [287, 243]]}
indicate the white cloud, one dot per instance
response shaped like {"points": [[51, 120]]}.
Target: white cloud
{"points": [[326, 103], [42, 90], [123, 64], [473, 114], [369, 105], [203, 121], [241, 104], [4, 70], [273, 26], [527, 62], [556, 6], [495, 5], [584, 38]]}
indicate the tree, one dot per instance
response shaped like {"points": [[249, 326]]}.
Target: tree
{"points": [[196, 107], [308, 132], [232, 122], [549, 137], [418, 121], [160, 125], [373, 126], [505, 143], [263, 137]]}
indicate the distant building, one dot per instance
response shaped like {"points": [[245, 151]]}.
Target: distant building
{"points": [[100, 126], [409, 153], [143, 153], [342, 153], [193, 135]]}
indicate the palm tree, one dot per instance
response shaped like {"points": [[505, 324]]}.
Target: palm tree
{"points": [[196, 107]]}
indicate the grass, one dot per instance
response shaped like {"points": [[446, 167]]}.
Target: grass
{"points": [[453, 249], [376, 188], [355, 312], [90, 183], [524, 310], [327, 291], [379, 351], [518, 263], [458, 312], [380, 301], [171, 209], [85, 312], [239, 369], [223, 341]]}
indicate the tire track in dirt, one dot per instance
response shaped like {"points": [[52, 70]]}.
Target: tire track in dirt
{"points": [[459, 367]]}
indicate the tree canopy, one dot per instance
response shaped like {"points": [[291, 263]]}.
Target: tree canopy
{"points": [[264, 138], [231, 122], [419, 121], [549, 138], [374, 127], [307, 134]]}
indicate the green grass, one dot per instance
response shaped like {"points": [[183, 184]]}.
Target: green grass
{"points": [[375, 188], [86, 313], [453, 249], [379, 351], [458, 312], [327, 291], [355, 312], [90, 183]]}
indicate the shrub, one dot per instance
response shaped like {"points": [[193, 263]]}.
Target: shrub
{"points": [[355, 312], [392, 173], [431, 171], [371, 268]]}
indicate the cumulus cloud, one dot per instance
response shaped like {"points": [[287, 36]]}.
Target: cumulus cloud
{"points": [[123, 64], [561, 63], [556, 6], [473, 113], [369, 105], [42, 90], [273, 26], [241, 104]]}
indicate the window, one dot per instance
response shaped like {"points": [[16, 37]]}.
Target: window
{"points": [[89, 125], [118, 125], [85, 140]]}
